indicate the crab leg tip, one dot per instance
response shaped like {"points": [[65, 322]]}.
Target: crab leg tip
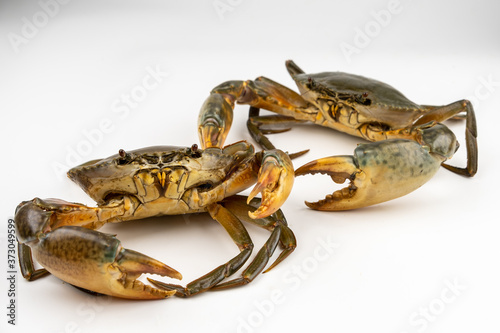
{"points": [[298, 154], [163, 286]]}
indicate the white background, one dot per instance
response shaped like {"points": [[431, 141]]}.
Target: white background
{"points": [[392, 262]]}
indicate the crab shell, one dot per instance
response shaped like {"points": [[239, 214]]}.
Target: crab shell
{"points": [[168, 180], [374, 101]]}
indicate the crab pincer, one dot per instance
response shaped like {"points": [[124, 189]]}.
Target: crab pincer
{"points": [[275, 176], [275, 182], [377, 172], [83, 257], [215, 120]]}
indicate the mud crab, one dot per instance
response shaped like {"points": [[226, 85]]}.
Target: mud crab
{"points": [[409, 141], [165, 180]]}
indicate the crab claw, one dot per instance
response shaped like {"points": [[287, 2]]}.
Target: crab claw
{"points": [[340, 168], [97, 262], [377, 172], [274, 182], [215, 119]]}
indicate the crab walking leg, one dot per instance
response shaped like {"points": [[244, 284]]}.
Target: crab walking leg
{"points": [[472, 151], [280, 233], [377, 172], [287, 238], [259, 126], [240, 236], [439, 114], [54, 231], [26, 264], [423, 132], [228, 215]]}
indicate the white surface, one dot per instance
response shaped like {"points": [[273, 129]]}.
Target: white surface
{"points": [[391, 262]]}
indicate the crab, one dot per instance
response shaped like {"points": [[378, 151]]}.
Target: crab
{"points": [[408, 141], [164, 180]]}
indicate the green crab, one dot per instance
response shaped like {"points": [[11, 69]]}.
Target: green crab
{"points": [[409, 141]]}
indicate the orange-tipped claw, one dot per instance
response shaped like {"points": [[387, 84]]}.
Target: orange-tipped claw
{"points": [[275, 183], [339, 168], [97, 262], [215, 119], [131, 265], [377, 172]]}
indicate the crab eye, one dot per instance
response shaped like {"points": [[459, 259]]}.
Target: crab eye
{"points": [[312, 83], [124, 158], [363, 99], [194, 151]]}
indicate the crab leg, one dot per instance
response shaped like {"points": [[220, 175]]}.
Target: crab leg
{"points": [[240, 236], [217, 112], [266, 94], [439, 114], [377, 172], [26, 264], [259, 126], [260, 93], [60, 239], [228, 215], [281, 234]]}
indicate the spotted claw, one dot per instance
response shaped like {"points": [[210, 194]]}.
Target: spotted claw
{"points": [[83, 257], [275, 183], [97, 262], [377, 172]]}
